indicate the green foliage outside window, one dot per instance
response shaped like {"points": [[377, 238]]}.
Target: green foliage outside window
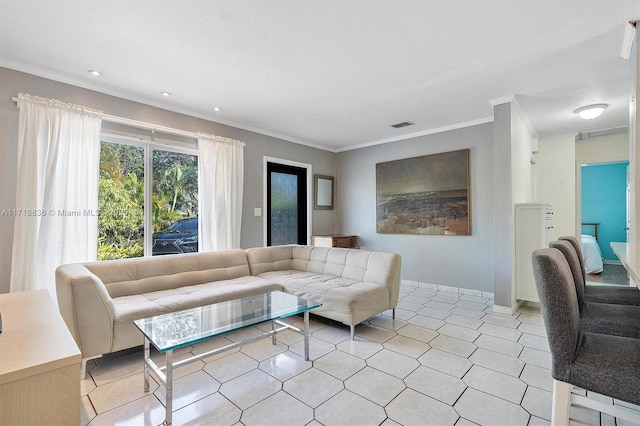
{"points": [[121, 196]]}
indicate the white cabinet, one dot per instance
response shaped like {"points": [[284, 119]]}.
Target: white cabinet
{"points": [[533, 225], [40, 362]]}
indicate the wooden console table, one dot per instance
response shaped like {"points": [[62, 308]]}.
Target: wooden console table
{"points": [[40, 367], [336, 240]]}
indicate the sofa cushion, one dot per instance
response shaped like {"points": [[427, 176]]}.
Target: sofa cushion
{"points": [[137, 306], [149, 274], [340, 294], [358, 265], [129, 308]]}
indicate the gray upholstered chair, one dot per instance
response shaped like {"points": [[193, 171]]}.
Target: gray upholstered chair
{"points": [[605, 364], [605, 318], [604, 294]]}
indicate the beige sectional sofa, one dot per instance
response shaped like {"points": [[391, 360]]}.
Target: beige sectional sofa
{"points": [[352, 285], [100, 300]]}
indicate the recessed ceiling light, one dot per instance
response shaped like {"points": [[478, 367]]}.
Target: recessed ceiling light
{"points": [[95, 72], [590, 112], [216, 109], [167, 94]]}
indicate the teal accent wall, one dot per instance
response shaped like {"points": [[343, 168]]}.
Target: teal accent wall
{"points": [[604, 200]]}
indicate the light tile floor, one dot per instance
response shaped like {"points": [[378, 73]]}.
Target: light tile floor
{"points": [[447, 359]]}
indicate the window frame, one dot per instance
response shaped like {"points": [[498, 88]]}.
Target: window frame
{"points": [[148, 146]]}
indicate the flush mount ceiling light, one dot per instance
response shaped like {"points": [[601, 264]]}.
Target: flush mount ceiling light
{"points": [[166, 94], [590, 112], [216, 109], [95, 72]]}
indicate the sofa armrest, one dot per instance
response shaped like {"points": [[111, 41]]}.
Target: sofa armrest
{"points": [[394, 290], [86, 307]]}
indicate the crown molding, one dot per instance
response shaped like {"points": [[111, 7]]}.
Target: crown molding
{"points": [[421, 133], [513, 99]]}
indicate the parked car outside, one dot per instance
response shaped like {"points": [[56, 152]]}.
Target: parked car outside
{"points": [[180, 237]]}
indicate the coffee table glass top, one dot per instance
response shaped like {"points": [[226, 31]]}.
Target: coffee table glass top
{"points": [[177, 329]]}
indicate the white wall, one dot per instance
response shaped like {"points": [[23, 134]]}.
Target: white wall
{"points": [[634, 136], [522, 140], [522, 186], [558, 173], [556, 181], [603, 150], [458, 261], [513, 182]]}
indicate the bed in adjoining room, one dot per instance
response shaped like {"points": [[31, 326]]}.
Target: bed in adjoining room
{"points": [[592, 255]]}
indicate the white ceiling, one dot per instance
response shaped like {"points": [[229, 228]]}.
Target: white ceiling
{"points": [[336, 73]]}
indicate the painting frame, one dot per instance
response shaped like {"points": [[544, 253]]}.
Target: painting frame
{"points": [[425, 195], [323, 192]]}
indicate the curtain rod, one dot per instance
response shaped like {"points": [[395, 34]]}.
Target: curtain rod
{"points": [[142, 125], [148, 126]]}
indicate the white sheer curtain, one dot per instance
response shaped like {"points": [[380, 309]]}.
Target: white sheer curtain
{"points": [[220, 180], [56, 192]]}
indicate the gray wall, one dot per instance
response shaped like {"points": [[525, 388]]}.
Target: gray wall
{"points": [[257, 146], [503, 206], [458, 261]]}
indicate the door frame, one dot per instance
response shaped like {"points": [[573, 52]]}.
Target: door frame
{"points": [[265, 192], [597, 162], [610, 148]]}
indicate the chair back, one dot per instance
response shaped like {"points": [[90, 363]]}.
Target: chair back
{"points": [[569, 253], [559, 306], [578, 248]]}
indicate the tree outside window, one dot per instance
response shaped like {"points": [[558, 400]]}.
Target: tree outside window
{"points": [[121, 194]]}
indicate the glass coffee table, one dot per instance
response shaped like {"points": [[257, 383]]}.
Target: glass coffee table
{"points": [[175, 330]]}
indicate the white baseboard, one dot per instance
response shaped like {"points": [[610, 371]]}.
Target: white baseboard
{"points": [[611, 262], [439, 287], [507, 310]]}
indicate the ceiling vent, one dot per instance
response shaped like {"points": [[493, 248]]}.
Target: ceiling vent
{"points": [[616, 131], [403, 124]]}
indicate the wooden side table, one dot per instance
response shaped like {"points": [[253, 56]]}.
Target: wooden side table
{"points": [[337, 240], [40, 368]]}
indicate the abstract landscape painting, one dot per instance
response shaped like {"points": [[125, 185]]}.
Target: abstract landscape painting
{"points": [[427, 195]]}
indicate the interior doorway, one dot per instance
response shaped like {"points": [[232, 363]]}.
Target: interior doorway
{"points": [[593, 152], [604, 204], [287, 198], [604, 217]]}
